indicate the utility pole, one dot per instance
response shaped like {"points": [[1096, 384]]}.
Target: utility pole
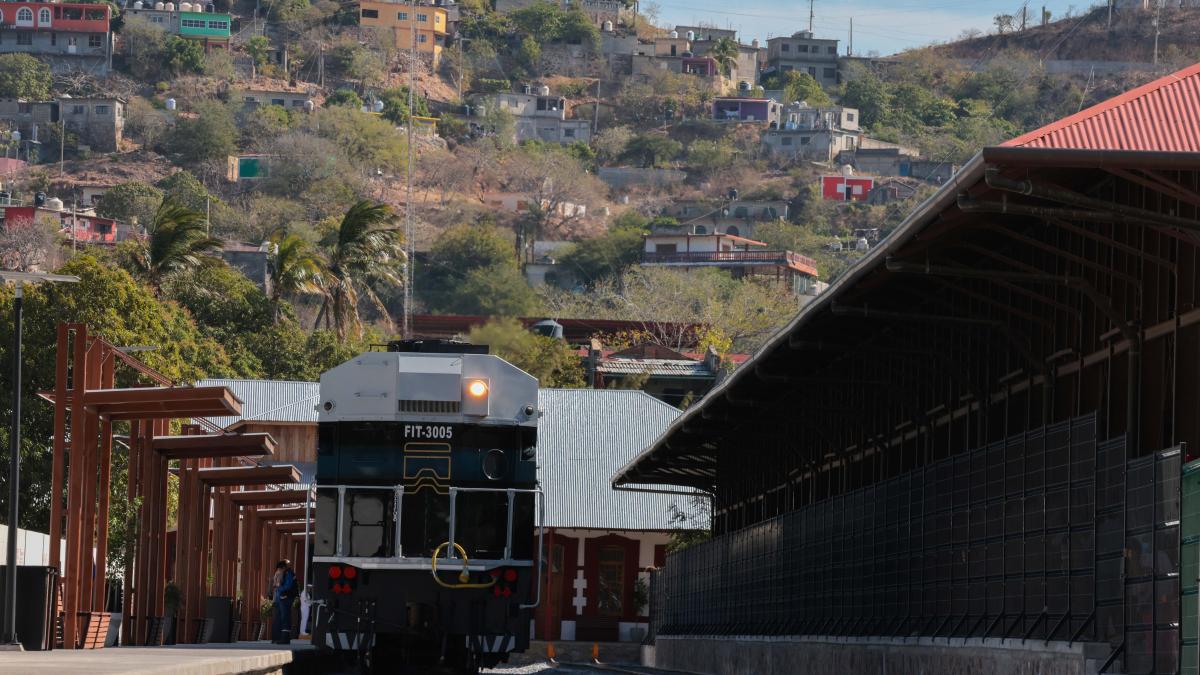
{"points": [[321, 66], [1110, 8], [406, 330], [1157, 14], [62, 142], [850, 47], [1024, 15], [811, 14]]}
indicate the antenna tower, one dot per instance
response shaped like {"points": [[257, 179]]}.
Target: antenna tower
{"points": [[406, 329]]}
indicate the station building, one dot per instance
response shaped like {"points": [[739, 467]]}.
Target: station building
{"points": [[976, 452]]}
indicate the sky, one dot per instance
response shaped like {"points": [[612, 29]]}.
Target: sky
{"points": [[883, 26]]}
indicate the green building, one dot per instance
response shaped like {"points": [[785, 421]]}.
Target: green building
{"points": [[211, 28]]}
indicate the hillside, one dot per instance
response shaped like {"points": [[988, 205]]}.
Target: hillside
{"points": [[1087, 37]]}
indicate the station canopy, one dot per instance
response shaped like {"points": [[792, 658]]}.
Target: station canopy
{"points": [[1054, 251]]}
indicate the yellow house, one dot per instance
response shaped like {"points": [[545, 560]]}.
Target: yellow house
{"points": [[401, 17]]}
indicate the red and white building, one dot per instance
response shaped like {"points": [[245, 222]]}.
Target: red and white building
{"points": [[76, 227], [846, 188], [67, 35]]}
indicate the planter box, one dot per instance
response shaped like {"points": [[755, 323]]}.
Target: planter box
{"points": [[204, 629], [154, 631], [93, 629]]}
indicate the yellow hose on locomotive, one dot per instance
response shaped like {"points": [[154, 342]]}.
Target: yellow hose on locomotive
{"points": [[463, 577]]}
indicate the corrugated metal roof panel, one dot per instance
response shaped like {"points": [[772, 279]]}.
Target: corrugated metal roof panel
{"points": [[1162, 116], [584, 437], [270, 401], [662, 367]]}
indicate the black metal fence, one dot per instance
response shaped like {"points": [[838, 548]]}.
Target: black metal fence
{"points": [[1046, 535]]}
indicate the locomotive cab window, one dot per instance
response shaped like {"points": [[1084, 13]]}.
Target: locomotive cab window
{"points": [[369, 529]]}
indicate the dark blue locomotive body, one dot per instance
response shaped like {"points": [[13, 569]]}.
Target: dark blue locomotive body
{"points": [[427, 504]]}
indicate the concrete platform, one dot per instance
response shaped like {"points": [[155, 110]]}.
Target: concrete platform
{"points": [[209, 659]]}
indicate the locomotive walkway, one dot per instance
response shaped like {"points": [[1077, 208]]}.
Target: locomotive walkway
{"points": [[198, 659]]}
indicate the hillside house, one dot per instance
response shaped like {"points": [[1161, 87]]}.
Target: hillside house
{"points": [[897, 162], [538, 117], [68, 36], [296, 99], [745, 109], [739, 217], [512, 202], [813, 133], [745, 66], [846, 187], [412, 25], [807, 54], [737, 255], [644, 66], [76, 228], [199, 22], [892, 190], [98, 123], [253, 261], [707, 33]]}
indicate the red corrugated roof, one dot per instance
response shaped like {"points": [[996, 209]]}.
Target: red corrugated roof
{"points": [[1163, 115]]}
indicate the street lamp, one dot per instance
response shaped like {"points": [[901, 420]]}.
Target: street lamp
{"points": [[8, 640]]}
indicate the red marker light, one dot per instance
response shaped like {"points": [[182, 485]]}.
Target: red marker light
{"points": [[496, 591], [335, 572], [351, 572], [495, 574], [510, 575], [507, 591]]}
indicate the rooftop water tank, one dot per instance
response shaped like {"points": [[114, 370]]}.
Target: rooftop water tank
{"points": [[160, 6], [744, 85], [170, 7], [608, 26], [835, 246], [674, 34], [847, 171], [691, 35], [544, 90], [527, 88], [138, 4], [54, 204], [185, 6], [548, 328], [309, 105], [170, 104], [754, 43], [377, 106], [210, 8], [862, 244], [15, 135]]}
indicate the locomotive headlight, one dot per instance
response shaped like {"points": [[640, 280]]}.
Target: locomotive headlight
{"points": [[477, 388]]}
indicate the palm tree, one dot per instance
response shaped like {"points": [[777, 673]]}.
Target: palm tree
{"points": [[725, 51], [363, 251], [296, 268], [177, 241]]}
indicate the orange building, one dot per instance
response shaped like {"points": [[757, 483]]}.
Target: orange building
{"points": [[401, 17]]}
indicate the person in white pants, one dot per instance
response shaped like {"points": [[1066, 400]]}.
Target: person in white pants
{"points": [[305, 604]]}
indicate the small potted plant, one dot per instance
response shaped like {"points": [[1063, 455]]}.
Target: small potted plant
{"points": [[265, 610], [641, 598]]}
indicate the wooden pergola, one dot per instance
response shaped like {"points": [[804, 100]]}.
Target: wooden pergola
{"points": [[211, 466]]}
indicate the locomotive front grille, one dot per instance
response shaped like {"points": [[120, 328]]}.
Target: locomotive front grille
{"points": [[430, 407]]}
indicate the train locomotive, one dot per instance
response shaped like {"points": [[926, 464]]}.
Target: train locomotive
{"points": [[424, 552]]}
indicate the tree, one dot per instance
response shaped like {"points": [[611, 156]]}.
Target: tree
{"points": [[128, 200], [395, 105], [296, 269], [866, 92], [651, 150], [799, 86], [207, 135], [541, 20], [112, 304], [369, 142], [184, 56], [578, 28], [610, 143], [364, 253], [226, 306], [1004, 23], [551, 361], [259, 49], [177, 241], [710, 156], [144, 122], [606, 256], [725, 52], [30, 245], [529, 55], [345, 97], [471, 269], [23, 76]]}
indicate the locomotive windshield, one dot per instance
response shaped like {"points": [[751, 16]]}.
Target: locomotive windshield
{"points": [[420, 463]]}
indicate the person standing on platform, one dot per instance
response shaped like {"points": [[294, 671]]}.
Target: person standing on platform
{"points": [[283, 594]]}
